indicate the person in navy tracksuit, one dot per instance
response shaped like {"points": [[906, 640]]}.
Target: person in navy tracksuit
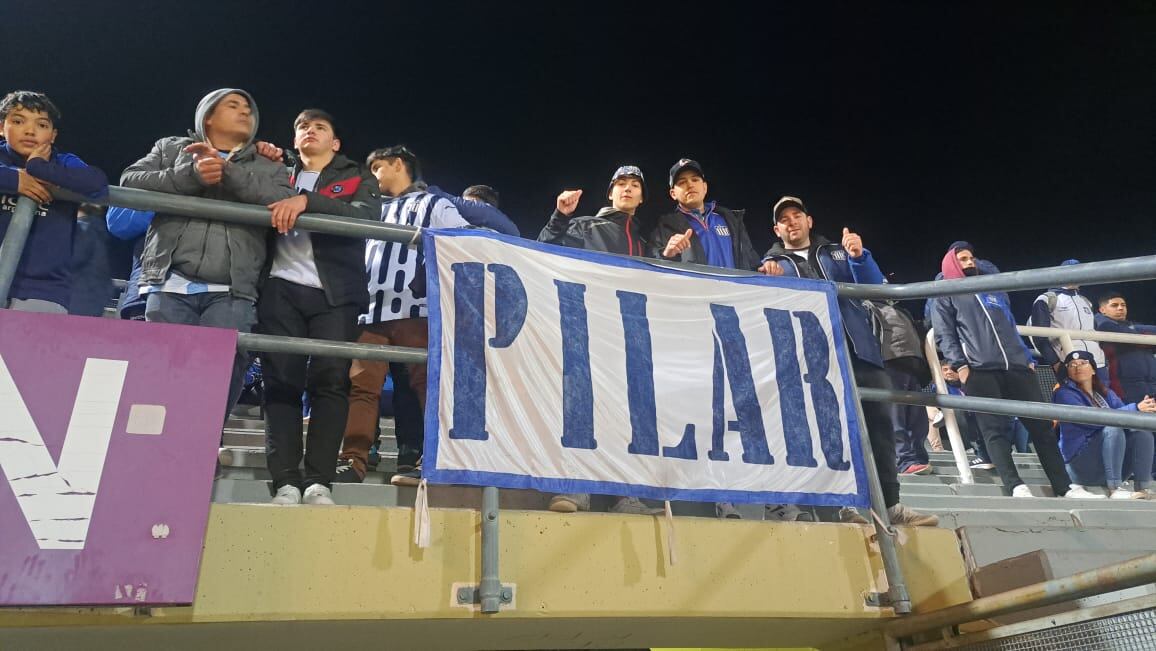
{"points": [[800, 254], [977, 335], [30, 164]]}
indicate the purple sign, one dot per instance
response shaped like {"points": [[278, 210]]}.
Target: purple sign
{"points": [[108, 438]]}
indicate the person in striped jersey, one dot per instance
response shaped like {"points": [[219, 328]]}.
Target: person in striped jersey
{"points": [[397, 313]]}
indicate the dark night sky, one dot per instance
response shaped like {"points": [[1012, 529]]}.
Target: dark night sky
{"points": [[1025, 128]]}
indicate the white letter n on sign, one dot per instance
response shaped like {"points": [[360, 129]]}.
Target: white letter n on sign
{"points": [[57, 500]]}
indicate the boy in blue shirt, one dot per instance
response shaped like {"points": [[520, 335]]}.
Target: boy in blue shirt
{"points": [[31, 166]]}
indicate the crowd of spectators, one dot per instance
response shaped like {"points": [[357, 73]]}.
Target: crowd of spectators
{"points": [[287, 281]]}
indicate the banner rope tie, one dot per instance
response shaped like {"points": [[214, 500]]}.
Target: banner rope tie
{"points": [[670, 533], [421, 516]]}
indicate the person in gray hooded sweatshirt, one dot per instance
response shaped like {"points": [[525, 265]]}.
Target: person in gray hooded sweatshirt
{"points": [[199, 271]]}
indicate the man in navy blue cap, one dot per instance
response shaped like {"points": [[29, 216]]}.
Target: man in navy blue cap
{"points": [[698, 230]]}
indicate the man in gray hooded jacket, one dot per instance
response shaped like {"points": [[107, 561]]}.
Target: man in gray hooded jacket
{"points": [[199, 271]]}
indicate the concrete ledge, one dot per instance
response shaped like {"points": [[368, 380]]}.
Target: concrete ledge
{"points": [[592, 579]]}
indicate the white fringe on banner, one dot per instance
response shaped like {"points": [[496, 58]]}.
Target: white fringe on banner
{"points": [[670, 534], [421, 516]]}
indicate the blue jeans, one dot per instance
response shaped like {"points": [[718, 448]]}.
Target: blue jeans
{"points": [[1113, 455], [213, 310]]}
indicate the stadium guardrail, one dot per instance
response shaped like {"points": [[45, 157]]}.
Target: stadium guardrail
{"points": [[490, 593]]}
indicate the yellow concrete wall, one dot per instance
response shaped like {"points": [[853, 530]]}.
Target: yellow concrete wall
{"points": [[267, 563]]}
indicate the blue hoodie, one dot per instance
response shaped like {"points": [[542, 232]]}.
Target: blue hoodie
{"points": [[1075, 436], [479, 213], [977, 330], [43, 272]]}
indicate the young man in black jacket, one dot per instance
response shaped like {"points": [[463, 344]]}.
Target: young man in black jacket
{"points": [[614, 229], [316, 288], [701, 231]]}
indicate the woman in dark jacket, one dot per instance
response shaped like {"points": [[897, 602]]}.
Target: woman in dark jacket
{"points": [[1096, 455]]}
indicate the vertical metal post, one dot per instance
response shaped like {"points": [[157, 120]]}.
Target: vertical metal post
{"points": [[958, 447], [490, 589], [13, 245], [896, 586]]}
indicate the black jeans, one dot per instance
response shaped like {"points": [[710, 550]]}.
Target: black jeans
{"points": [[997, 430], [879, 430], [908, 422], [293, 310]]}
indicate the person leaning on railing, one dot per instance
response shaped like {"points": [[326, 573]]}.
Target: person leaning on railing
{"points": [[702, 232], [848, 261], [198, 271], [978, 337], [30, 165], [613, 229], [1132, 366], [1099, 455]]}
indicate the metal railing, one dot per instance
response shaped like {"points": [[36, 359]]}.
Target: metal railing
{"points": [[1131, 269], [1136, 572], [1047, 411]]}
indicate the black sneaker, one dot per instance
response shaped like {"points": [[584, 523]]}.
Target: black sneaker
{"points": [[408, 478], [408, 459], [346, 473]]}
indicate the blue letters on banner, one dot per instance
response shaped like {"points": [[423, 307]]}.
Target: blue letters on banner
{"points": [[801, 379]]}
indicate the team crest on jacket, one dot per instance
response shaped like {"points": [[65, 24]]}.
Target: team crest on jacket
{"points": [[337, 189], [838, 255], [722, 231]]}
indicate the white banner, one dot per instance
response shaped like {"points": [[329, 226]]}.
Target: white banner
{"points": [[569, 371]]}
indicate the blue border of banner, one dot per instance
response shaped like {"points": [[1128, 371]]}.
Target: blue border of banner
{"points": [[547, 485]]}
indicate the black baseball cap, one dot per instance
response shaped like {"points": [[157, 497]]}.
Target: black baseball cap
{"points": [[685, 164], [788, 202], [628, 171]]}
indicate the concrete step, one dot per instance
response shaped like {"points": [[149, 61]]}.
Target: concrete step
{"points": [[954, 518], [965, 501], [1070, 549]]}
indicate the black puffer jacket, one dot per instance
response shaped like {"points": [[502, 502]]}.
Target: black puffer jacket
{"points": [[610, 231]]}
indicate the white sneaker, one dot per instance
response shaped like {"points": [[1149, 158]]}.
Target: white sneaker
{"points": [[318, 495], [287, 495], [1079, 492], [1022, 491], [1123, 493]]}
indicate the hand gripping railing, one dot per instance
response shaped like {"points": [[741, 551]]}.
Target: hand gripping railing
{"points": [[1130, 269]]}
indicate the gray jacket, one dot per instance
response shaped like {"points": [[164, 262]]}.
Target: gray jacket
{"points": [[201, 249], [899, 337]]}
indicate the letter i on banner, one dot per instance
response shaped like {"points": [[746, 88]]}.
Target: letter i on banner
{"points": [[470, 338]]}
